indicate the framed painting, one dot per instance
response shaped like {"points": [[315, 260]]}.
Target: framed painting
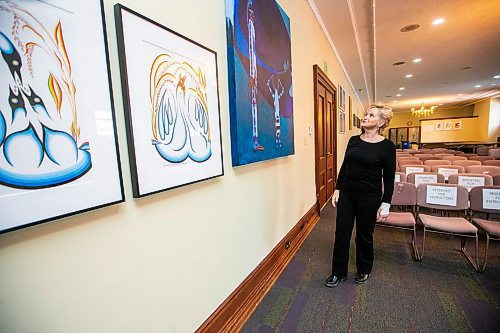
{"points": [[457, 125], [342, 121], [171, 99], [350, 113], [341, 98], [58, 145], [260, 81]]}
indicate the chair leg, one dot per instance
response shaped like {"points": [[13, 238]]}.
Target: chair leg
{"points": [[486, 252], [423, 246], [416, 255], [467, 255]]}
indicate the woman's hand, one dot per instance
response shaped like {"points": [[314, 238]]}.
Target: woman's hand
{"points": [[383, 211], [335, 197]]}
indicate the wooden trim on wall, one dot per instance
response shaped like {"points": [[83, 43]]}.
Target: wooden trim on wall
{"points": [[232, 314]]}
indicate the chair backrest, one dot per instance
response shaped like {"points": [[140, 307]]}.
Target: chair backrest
{"points": [[470, 180], [410, 151], [486, 169], [441, 155], [423, 156], [406, 169], [438, 150], [418, 178], [447, 170], [458, 152], [465, 163], [468, 155], [404, 194], [437, 162], [424, 151], [398, 155], [485, 199], [454, 158], [495, 152], [481, 158], [496, 180], [492, 162], [400, 177], [482, 151], [409, 162], [443, 196]]}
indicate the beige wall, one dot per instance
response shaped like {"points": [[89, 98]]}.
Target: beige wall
{"points": [[468, 132], [401, 119], [164, 263], [482, 110]]}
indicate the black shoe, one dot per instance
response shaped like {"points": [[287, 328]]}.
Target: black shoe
{"points": [[333, 281], [361, 278]]}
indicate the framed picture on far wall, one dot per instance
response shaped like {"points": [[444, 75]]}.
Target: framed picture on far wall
{"points": [[171, 100], [341, 98], [58, 145], [342, 121], [350, 113]]}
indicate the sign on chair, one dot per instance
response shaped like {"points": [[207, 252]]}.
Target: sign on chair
{"points": [[491, 198], [425, 179], [446, 172], [414, 169], [470, 181], [397, 178], [441, 195]]}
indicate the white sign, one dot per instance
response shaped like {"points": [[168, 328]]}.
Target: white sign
{"points": [[425, 179], [447, 172], [397, 178], [470, 181], [441, 195], [414, 169], [491, 198]]}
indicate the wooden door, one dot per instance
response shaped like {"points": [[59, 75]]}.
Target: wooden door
{"points": [[325, 130]]}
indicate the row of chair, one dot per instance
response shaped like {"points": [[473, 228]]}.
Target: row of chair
{"points": [[481, 151], [468, 180], [483, 199], [490, 170], [431, 162]]}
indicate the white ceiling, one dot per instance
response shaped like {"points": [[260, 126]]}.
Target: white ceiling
{"points": [[366, 35]]}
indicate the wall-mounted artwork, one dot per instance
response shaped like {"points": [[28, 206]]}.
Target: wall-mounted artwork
{"points": [[350, 113], [58, 150], [341, 98], [260, 81], [457, 125], [439, 126], [171, 98], [448, 126], [341, 121]]}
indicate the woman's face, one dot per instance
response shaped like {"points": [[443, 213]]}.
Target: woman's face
{"points": [[372, 119]]}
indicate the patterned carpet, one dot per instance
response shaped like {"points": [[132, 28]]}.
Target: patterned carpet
{"points": [[440, 294]]}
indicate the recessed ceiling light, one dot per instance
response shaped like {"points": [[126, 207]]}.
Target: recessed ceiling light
{"points": [[444, 82], [417, 60], [466, 67], [410, 27], [399, 63], [440, 104], [438, 21], [459, 94], [496, 77], [398, 95], [401, 88], [394, 101], [477, 86], [388, 96], [493, 84], [408, 76]]}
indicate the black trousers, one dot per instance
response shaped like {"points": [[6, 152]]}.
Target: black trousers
{"points": [[364, 212]]}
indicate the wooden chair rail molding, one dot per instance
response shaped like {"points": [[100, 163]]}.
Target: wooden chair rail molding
{"points": [[232, 314]]}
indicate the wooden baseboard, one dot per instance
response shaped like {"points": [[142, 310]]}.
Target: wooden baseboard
{"points": [[237, 308]]}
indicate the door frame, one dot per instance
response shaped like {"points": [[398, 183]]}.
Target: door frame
{"points": [[320, 77]]}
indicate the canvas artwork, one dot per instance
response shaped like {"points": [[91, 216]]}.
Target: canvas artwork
{"points": [[341, 98], [457, 125], [170, 89], [439, 126], [58, 152], [350, 113], [447, 126], [342, 122], [260, 81]]}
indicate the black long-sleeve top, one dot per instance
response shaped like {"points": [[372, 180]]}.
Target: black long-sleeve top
{"points": [[365, 164]]}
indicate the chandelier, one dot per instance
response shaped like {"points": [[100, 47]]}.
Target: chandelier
{"points": [[423, 111]]}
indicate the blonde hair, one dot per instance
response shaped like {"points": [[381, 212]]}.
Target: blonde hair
{"points": [[384, 113]]}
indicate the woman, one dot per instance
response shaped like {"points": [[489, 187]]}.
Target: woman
{"points": [[368, 159]]}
